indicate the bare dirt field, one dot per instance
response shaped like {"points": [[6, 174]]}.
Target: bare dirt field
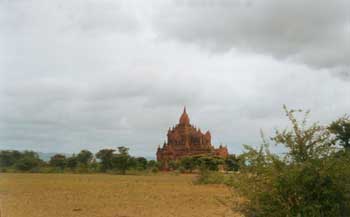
{"points": [[68, 195]]}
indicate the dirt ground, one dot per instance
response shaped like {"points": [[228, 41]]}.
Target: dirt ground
{"points": [[76, 195]]}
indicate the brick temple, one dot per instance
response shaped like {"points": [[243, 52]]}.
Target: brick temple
{"points": [[186, 140]]}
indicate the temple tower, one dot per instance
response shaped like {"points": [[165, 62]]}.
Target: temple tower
{"points": [[186, 140]]}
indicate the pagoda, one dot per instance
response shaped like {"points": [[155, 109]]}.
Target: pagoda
{"points": [[186, 140]]}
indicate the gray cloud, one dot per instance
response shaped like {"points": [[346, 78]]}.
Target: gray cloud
{"points": [[92, 79], [316, 34], [42, 17]]}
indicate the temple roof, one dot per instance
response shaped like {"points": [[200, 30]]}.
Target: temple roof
{"points": [[184, 119]]}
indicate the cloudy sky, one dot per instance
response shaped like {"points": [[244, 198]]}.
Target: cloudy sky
{"points": [[90, 74]]}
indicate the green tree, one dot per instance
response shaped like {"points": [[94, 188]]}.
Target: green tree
{"points": [[302, 141], [105, 156], [8, 158], [72, 162], [123, 150], [341, 129], [141, 163], [84, 157], [28, 161], [94, 166], [122, 160], [188, 164], [58, 161]]}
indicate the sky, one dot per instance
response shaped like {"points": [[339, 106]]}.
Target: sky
{"points": [[93, 74]]}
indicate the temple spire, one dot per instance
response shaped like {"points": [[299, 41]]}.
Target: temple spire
{"points": [[184, 119]]}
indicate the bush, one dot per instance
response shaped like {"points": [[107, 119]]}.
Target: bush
{"points": [[27, 164], [140, 163], [210, 177], [187, 164], [310, 180], [155, 170], [153, 166], [232, 163], [209, 163], [174, 165], [300, 190]]}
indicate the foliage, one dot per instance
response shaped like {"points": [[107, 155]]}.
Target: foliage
{"points": [[22, 161], [8, 158], [28, 161], [341, 129], [140, 163], [84, 158], [58, 161], [304, 142], [311, 179], [174, 165], [105, 156], [94, 166], [232, 163], [72, 162], [122, 160], [153, 166], [107, 160], [210, 177], [188, 164], [199, 162], [210, 163]]}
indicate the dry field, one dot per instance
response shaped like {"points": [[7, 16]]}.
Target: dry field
{"points": [[68, 195]]}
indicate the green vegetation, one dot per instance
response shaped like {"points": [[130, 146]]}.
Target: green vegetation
{"points": [[21, 161], [341, 130], [311, 179], [106, 160], [199, 163]]}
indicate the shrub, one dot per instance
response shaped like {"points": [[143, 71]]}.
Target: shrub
{"points": [[232, 163], [187, 164], [174, 165], [210, 177], [341, 130], [140, 163], [209, 163], [27, 163], [155, 169], [311, 179]]}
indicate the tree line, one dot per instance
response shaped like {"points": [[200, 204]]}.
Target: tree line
{"points": [[107, 160]]}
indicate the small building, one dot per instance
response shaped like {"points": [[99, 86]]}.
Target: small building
{"points": [[186, 140]]}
